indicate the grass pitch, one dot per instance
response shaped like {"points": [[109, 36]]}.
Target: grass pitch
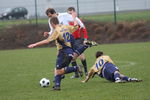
{"points": [[21, 70]]}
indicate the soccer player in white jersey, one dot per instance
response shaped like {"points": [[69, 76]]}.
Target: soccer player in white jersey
{"points": [[64, 19]]}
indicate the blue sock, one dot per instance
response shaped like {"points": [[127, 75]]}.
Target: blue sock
{"points": [[125, 78], [57, 80], [81, 49], [116, 76], [70, 69], [74, 63]]}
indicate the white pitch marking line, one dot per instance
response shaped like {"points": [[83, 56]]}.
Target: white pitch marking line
{"points": [[126, 63]]}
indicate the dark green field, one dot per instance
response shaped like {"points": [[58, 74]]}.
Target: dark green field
{"points": [[21, 70]]}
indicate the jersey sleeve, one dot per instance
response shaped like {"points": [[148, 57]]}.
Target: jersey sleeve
{"points": [[54, 36], [72, 28], [83, 28], [85, 34], [80, 22]]}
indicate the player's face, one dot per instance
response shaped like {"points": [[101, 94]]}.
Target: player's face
{"points": [[50, 15], [70, 12]]}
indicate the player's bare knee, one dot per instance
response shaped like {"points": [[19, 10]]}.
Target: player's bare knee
{"points": [[60, 71]]}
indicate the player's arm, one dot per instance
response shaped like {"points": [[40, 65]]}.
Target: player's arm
{"points": [[90, 74], [80, 23], [72, 28], [46, 41], [38, 43], [82, 29]]}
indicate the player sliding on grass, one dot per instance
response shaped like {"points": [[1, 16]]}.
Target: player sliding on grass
{"points": [[63, 39], [105, 68]]}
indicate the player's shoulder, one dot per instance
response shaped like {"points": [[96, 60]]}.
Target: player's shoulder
{"points": [[103, 57], [63, 14]]}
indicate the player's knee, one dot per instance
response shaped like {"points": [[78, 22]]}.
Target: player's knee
{"points": [[75, 55], [82, 57], [60, 71]]}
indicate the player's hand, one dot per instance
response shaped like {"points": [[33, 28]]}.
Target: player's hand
{"points": [[31, 45], [46, 34]]}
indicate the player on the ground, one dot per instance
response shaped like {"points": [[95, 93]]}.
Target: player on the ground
{"points": [[62, 38], [81, 37], [105, 68]]}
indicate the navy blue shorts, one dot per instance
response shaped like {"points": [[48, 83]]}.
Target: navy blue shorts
{"points": [[108, 71], [67, 52], [78, 43]]}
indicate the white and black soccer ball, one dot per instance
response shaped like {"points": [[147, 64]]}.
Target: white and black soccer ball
{"points": [[44, 82]]}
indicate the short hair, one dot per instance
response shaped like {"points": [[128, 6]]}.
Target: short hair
{"points": [[98, 54], [50, 10], [54, 20], [71, 8]]}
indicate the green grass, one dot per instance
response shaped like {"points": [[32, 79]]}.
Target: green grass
{"points": [[21, 70], [7, 23], [128, 16]]}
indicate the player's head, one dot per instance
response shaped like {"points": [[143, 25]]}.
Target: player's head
{"points": [[70, 10], [54, 21], [50, 12], [98, 54]]}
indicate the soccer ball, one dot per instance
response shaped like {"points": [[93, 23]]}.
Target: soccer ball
{"points": [[44, 82]]}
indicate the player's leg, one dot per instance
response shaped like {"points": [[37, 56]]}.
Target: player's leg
{"points": [[111, 73], [117, 77], [57, 77], [76, 75], [83, 61], [128, 79], [80, 50]]}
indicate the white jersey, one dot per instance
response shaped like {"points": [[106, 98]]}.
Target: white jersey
{"points": [[64, 19]]}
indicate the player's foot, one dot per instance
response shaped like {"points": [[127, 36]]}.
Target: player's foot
{"points": [[56, 88], [91, 43], [135, 80]]}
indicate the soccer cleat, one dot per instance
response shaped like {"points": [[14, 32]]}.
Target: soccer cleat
{"points": [[56, 88], [135, 80], [91, 43]]}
